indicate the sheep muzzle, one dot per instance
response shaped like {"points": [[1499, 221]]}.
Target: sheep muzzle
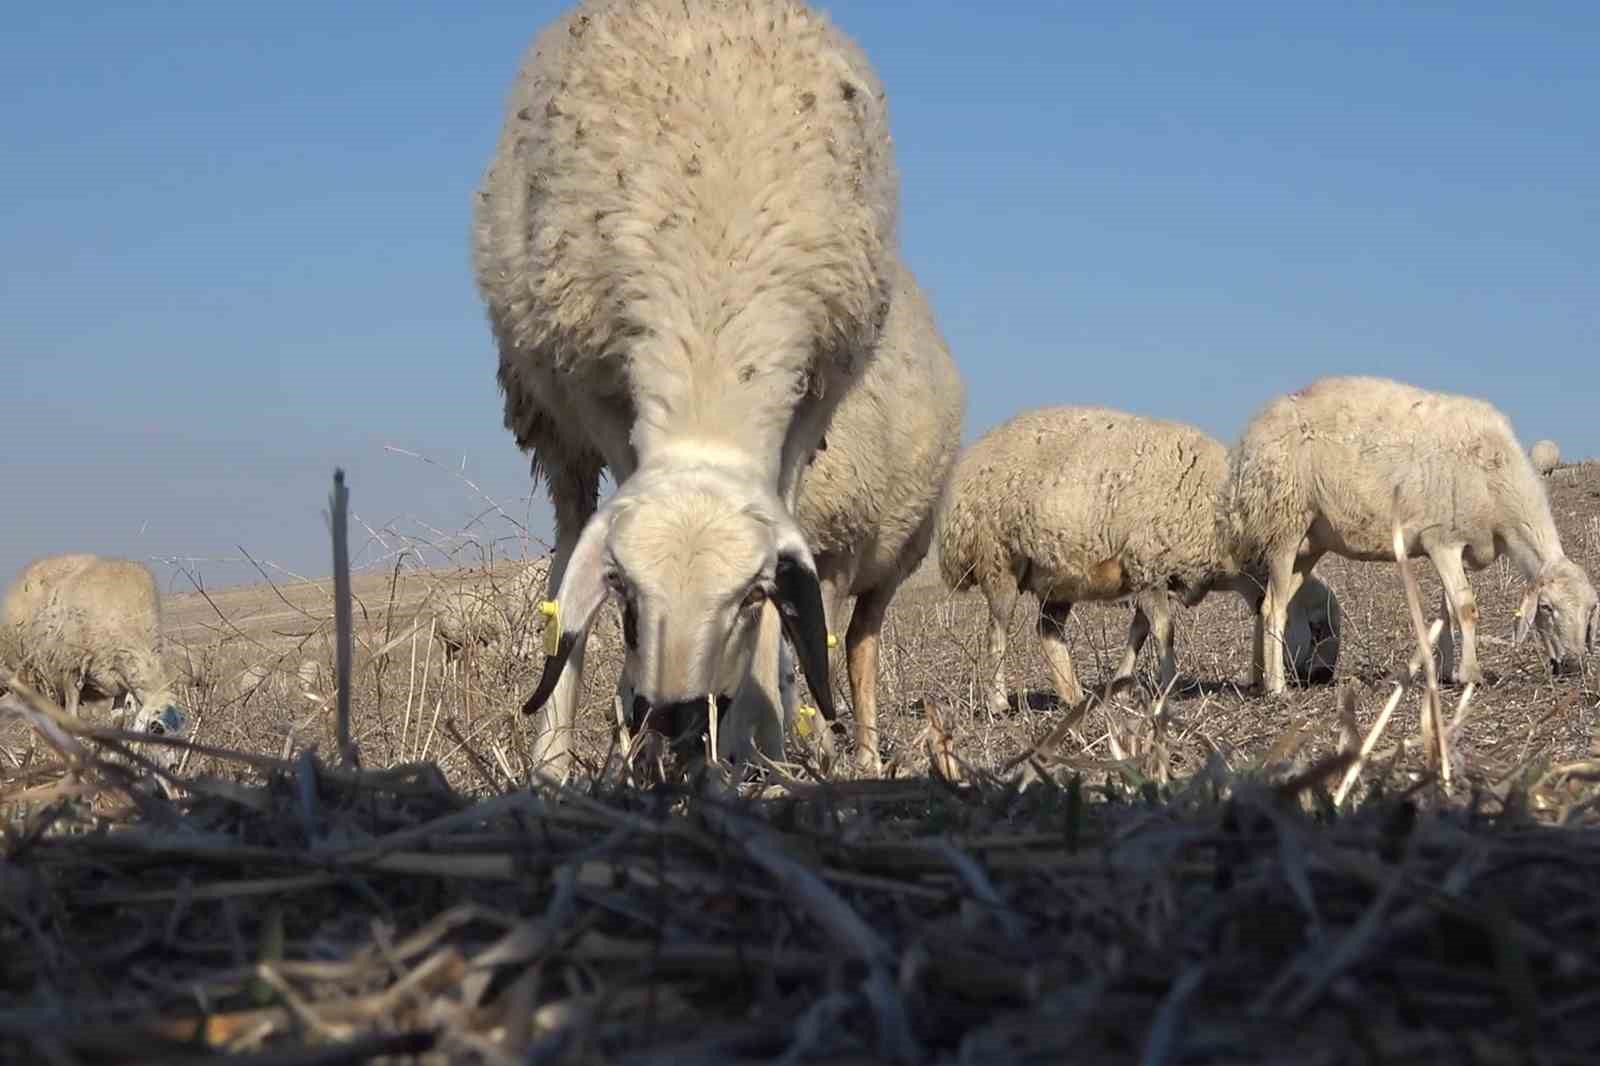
{"points": [[683, 722]]}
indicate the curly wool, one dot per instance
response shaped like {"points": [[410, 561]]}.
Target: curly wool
{"points": [[1084, 504], [687, 226], [1348, 451]]}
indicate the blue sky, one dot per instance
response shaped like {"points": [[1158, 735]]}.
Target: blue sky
{"points": [[235, 239]]}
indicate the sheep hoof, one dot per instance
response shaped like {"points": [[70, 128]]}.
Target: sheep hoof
{"points": [[868, 764]]}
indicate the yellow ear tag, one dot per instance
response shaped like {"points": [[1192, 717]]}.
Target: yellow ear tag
{"points": [[802, 719], [552, 629], [833, 641]]}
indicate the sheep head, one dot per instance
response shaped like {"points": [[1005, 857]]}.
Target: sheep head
{"points": [[693, 555], [1311, 638], [1561, 605], [156, 713]]}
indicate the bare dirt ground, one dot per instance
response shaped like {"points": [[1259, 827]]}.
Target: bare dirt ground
{"points": [[1521, 721]]}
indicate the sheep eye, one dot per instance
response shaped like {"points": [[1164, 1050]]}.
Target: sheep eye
{"points": [[756, 595]]}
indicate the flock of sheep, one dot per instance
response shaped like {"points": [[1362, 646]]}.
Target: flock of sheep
{"points": [[687, 244]]}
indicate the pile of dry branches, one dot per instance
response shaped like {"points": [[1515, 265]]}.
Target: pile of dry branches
{"points": [[327, 914]]}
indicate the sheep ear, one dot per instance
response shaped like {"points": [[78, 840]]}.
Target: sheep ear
{"points": [[583, 589], [799, 603], [1525, 613]]}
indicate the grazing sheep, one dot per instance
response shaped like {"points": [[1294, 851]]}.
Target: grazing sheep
{"points": [[1311, 641], [485, 616], [1082, 504], [1546, 456], [869, 497], [274, 680], [1332, 467], [684, 242], [257, 677], [85, 626], [313, 679]]}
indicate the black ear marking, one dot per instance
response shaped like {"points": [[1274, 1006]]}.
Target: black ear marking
{"points": [[799, 603], [553, 665]]}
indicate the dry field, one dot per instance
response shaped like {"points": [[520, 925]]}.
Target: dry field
{"points": [[1189, 894], [1520, 721]]}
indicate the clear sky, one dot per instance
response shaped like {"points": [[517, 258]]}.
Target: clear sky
{"points": [[233, 239]]}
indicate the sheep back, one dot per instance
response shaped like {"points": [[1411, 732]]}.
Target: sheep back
{"points": [[1338, 450], [31, 587], [687, 202], [1085, 503]]}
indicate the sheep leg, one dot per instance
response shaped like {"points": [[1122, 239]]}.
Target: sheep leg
{"points": [[1138, 633], [1447, 635], [861, 643], [1283, 579], [1159, 608], [1258, 646], [575, 498], [1002, 603], [1463, 607], [1057, 659], [71, 690]]}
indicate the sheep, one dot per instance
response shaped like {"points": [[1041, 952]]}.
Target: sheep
{"points": [[683, 242], [252, 679], [1082, 504], [272, 679], [868, 499], [1546, 456], [82, 625], [482, 617], [1333, 467], [1312, 638]]}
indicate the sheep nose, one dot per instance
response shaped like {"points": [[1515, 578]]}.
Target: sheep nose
{"points": [[170, 720], [1566, 666], [681, 722]]}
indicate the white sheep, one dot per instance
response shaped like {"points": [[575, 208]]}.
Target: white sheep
{"points": [[1546, 456], [1084, 504], [1312, 639], [484, 616], [272, 679], [313, 679], [257, 677], [88, 629], [1332, 467], [869, 496], [684, 242]]}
